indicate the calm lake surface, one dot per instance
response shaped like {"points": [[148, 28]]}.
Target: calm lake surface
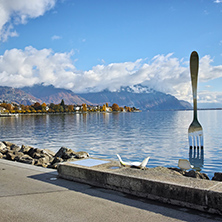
{"points": [[162, 135]]}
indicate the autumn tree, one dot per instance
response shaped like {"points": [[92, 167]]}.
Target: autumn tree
{"points": [[84, 107], [7, 106], [115, 107], [70, 108], [37, 106], [103, 108]]}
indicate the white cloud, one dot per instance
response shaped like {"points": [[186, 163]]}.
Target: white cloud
{"points": [[16, 12], [218, 1], [24, 68], [164, 73], [56, 37]]}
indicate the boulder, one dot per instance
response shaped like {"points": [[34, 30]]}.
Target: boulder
{"points": [[9, 144], [61, 152], [177, 170], [10, 155], [55, 162], [2, 146], [196, 174], [1, 155], [44, 162], [33, 151], [37, 155], [65, 153], [18, 155], [81, 154], [217, 176], [26, 159], [15, 147], [50, 152], [191, 173], [25, 149]]}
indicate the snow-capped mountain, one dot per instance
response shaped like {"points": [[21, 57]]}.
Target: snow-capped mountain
{"points": [[136, 89], [138, 96]]}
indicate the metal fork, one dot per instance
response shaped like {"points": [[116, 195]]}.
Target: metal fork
{"points": [[195, 131]]}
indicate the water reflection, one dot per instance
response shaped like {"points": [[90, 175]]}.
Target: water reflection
{"points": [[160, 135]]}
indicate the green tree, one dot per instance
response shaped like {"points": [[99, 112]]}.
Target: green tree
{"points": [[62, 104]]}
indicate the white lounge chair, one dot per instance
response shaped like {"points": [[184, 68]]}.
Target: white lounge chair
{"points": [[184, 164], [140, 165]]}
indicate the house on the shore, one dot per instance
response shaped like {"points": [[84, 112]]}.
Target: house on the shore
{"points": [[2, 109]]}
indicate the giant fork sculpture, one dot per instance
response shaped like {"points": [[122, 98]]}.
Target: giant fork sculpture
{"points": [[195, 131]]}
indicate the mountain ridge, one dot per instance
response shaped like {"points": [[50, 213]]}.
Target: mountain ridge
{"points": [[138, 96]]}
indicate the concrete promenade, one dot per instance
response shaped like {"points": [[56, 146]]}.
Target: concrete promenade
{"points": [[30, 193]]}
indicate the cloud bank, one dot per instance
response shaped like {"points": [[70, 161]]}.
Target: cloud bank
{"points": [[164, 73], [14, 12]]}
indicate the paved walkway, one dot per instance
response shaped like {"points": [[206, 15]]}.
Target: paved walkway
{"points": [[30, 193]]}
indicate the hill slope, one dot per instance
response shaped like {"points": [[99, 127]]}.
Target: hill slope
{"points": [[50, 94], [138, 96], [10, 94]]}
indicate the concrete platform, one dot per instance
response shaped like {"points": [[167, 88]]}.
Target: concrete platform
{"points": [[34, 194], [159, 183]]}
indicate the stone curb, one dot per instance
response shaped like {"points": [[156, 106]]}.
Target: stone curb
{"points": [[203, 195]]}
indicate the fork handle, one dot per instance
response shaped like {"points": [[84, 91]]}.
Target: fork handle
{"points": [[194, 64]]}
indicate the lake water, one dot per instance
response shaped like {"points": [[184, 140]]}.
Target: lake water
{"points": [[162, 135]]}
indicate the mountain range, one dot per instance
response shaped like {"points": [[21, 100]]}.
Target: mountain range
{"points": [[138, 96]]}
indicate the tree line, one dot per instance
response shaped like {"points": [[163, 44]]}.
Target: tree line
{"points": [[62, 108]]}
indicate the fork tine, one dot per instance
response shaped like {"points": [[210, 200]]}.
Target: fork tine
{"points": [[195, 141], [198, 141], [190, 141], [201, 141]]}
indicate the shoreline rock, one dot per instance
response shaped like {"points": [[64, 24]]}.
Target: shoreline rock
{"points": [[39, 157], [49, 159]]}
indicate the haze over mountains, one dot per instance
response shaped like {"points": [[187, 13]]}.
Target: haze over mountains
{"points": [[137, 96]]}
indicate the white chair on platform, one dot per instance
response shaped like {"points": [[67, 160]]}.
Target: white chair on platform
{"points": [[184, 164]]}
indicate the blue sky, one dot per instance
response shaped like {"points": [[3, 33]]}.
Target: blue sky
{"points": [[90, 45]]}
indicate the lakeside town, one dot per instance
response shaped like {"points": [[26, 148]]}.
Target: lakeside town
{"points": [[14, 108]]}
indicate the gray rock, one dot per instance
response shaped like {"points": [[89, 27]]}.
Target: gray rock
{"points": [[18, 155], [32, 151], [55, 162], [196, 174], [50, 152], [2, 146], [9, 144], [25, 149], [61, 152], [44, 162], [66, 154], [37, 155], [10, 155], [81, 154], [15, 147], [26, 159], [217, 176]]}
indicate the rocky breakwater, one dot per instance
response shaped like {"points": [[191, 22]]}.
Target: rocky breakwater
{"points": [[38, 157]]}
